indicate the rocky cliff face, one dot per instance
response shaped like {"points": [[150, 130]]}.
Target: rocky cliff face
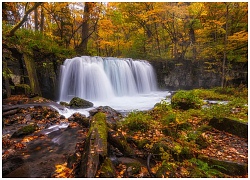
{"points": [[171, 74], [185, 74]]}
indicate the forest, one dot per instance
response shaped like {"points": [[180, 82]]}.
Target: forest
{"points": [[196, 31], [54, 125]]}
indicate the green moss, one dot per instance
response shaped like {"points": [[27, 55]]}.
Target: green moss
{"points": [[201, 169], [137, 121], [29, 129], [64, 103], [107, 169], [99, 124], [26, 130], [141, 143], [186, 100]]}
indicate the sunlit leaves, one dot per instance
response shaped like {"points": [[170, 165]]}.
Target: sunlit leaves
{"points": [[62, 171]]}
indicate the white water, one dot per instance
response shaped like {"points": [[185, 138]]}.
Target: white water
{"points": [[122, 84]]}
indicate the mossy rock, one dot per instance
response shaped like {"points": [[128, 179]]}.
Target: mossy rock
{"points": [[231, 126], [95, 148], [78, 103], [23, 131], [227, 167], [80, 119], [186, 100], [117, 139], [64, 103], [107, 169]]}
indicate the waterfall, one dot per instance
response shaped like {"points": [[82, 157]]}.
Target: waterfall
{"points": [[97, 78]]}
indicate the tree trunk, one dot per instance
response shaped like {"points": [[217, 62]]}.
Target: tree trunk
{"points": [[36, 19], [82, 48], [4, 12], [42, 20], [225, 50], [17, 26]]}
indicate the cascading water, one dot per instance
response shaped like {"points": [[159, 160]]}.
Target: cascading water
{"points": [[96, 78], [121, 83]]}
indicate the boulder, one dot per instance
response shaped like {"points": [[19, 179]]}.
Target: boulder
{"points": [[80, 119], [231, 126], [112, 116], [78, 103]]}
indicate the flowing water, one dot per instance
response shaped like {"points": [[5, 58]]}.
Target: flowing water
{"points": [[121, 83]]}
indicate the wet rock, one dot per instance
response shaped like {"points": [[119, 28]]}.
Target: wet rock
{"points": [[80, 119], [72, 159], [23, 131], [78, 103], [112, 116], [11, 164], [62, 117]]}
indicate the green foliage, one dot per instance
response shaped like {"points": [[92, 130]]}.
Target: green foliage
{"points": [[137, 121], [237, 108], [28, 40], [162, 106], [186, 100], [170, 118], [210, 94], [203, 170]]}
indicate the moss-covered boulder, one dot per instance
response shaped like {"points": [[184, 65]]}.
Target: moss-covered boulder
{"points": [[25, 130], [78, 103], [186, 100], [64, 103], [229, 125], [112, 116]]}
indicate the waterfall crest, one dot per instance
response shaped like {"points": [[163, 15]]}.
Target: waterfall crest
{"points": [[96, 78]]}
